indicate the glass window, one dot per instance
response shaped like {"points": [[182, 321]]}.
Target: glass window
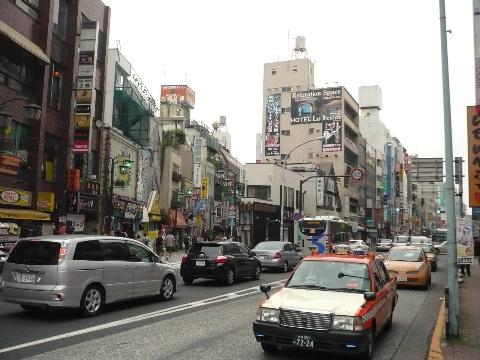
{"points": [[268, 245], [383, 277], [115, 250], [88, 250], [60, 18], [259, 191], [242, 248], [412, 255], [377, 277], [14, 138], [55, 87], [35, 253], [209, 251], [50, 153], [140, 254]]}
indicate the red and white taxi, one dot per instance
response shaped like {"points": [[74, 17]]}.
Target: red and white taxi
{"points": [[330, 303]]}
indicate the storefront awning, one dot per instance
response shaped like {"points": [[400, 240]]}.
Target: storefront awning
{"points": [[177, 220], [25, 43], [21, 214]]}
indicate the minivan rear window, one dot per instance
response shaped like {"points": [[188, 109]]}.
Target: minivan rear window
{"points": [[35, 253]]}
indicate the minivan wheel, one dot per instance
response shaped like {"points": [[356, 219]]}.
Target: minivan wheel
{"points": [[32, 308], [229, 277], [167, 289], [92, 301]]}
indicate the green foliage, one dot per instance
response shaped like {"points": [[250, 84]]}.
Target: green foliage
{"points": [[173, 138]]}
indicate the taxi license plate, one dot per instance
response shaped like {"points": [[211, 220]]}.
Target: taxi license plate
{"points": [[27, 278], [401, 278], [303, 341], [199, 263]]}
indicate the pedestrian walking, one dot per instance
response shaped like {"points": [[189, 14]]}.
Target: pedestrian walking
{"points": [[159, 245], [169, 243], [464, 267], [186, 243]]}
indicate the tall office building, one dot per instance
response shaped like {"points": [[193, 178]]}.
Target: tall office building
{"points": [[295, 112]]}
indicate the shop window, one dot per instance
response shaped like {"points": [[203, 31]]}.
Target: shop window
{"points": [[60, 18], [259, 192], [50, 158], [55, 87], [14, 139]]}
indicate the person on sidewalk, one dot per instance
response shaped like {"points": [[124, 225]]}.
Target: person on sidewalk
{"points": [[463, 267], [169, 243], [159, 245], [186, 243]]}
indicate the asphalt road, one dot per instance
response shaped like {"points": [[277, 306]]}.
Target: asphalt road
{"points": [[204, 321]]}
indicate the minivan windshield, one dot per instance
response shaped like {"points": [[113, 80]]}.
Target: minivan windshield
{"points": [[35, 253], [331, 275]]}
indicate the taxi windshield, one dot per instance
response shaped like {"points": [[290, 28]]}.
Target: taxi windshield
{"points": [[413, 255], [331, 275], [428, 248]]}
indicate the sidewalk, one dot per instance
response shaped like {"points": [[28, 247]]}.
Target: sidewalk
{"points": [[467, 345]]}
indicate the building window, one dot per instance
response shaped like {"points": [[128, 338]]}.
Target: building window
{"points": [[285, 132], [294, 68], [50, 158], [310, 155], [60, 18], [55, 87], [286, 89], [17, 68], [286, 110], [263, 192], [14, 138], [274, 72], [290, 197], [29, 6], [311, 131]]}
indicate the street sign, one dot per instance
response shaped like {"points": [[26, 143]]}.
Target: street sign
{"points": [[356, 174]]}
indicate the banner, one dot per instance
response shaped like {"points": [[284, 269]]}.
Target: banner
{"points": [[473, 135], [272, 129], [332, 132], [464, 241], [15, 197], [320, 191], [204, 188]]}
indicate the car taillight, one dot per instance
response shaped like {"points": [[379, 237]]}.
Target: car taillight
{"points": [[62, 252], [277, 255], [184, 259], [220, 259]]}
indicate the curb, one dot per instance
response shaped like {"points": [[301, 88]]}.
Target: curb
{"points": [[435, 352]]}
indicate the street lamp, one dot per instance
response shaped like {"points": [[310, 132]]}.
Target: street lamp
{"points": [[283, 181], [32, 111], [126, 165]]}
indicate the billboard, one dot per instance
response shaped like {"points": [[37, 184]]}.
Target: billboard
{"points": [[426, 169], [473, 130], [176, 94], [272, 125], [464, 241], [321, 106]]}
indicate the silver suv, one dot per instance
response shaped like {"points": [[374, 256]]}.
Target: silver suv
{"points": [[84, 272]]}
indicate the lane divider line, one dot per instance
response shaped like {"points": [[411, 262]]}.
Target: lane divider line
{"points": [[137, 318]]}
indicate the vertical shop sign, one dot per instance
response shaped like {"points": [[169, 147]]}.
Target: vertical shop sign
{"points": [[272, 125]]}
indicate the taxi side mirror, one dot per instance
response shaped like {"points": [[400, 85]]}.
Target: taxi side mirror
{"points": [[265, 289], [369, 296]]}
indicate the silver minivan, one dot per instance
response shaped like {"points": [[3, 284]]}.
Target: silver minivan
{"points": [[84, 272]]}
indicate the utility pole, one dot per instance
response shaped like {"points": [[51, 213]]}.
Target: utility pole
{"points": [[453, 305]]}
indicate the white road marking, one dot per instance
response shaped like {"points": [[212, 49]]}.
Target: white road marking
{"points": [[171, 310]]}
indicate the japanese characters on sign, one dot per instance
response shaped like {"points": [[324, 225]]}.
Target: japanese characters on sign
{"points": [[473, 129], [272, 130]]}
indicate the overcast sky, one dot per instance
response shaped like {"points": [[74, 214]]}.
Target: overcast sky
{"points": [[219, 48]]}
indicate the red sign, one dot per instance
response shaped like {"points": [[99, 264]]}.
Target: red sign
{"points": [[73, 180], [176, 94], [80, 146], [9, 164]]}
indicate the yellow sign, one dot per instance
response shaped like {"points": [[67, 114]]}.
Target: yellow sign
{"points": [[45, 201], [152, 234], [82, 121], [204, 188], [83, 96], [15, 197]]}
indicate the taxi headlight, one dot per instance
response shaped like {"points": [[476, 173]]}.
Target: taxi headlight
{"points": [[268, 315], [349, 323]]}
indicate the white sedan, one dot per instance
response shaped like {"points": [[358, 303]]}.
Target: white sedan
{"points": [[357, 244], [442, 248]]}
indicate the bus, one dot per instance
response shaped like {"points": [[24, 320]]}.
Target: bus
{"points": [[322, 233], [439, 235]]}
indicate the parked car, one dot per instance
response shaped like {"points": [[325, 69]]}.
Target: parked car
{"points": [[277, 255], [431, 253], [85, 272], [409, 264], [442, 247], [222, 260], [420, 240], [331, 303], [384, 244]]}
